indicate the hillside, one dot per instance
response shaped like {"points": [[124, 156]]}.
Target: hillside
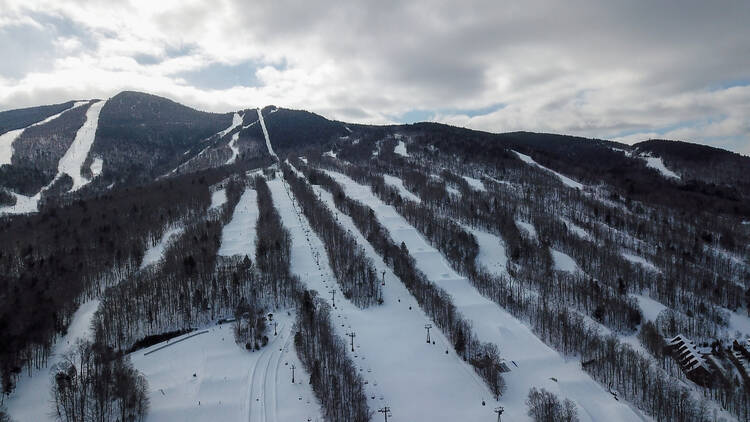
{"points": [[164, 263]]}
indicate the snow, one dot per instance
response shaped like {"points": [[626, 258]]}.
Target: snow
{"points": [[492, 253], [402, 371], [453, 191], [649, 307], [238, 236], [399, 184], [7, 139], [210, 378], [329, 154], [475, 184], [532, 362], [576, 229], [641, 261], [236, 121], [265, 135], [527, 228], [657, 164], [24, 204], [218, 198], [564, 179], [401, 149], [96, 166], [739, 322], [31, 400], [564, 262], [234, 148], [74, 157], [155, 253]]}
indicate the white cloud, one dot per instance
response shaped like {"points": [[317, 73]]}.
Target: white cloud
{"points": [[621, 70]]}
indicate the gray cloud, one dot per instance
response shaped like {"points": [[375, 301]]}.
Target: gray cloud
{"points": [[624, 70]]}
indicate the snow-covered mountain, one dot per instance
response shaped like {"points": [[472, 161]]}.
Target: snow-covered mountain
{"points": [[163, 263]]}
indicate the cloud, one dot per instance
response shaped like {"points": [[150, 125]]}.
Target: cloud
{"points": [[624, 70]]}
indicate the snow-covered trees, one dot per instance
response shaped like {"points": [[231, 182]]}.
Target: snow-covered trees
{"points": [[93, 383], [546, 407]]}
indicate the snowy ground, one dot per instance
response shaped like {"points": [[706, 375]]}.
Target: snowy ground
{"points": [[265, 135], [235, 149], [475, 184], [401, 149], [155, 253], [492, 253], [567, 181], [218, 198], [210, 378], [74, 157], [649, 307], [236, 121], [564, 262], [576, 229], [532, 362], [238, 236], [399, 184], [7, 139], [657, 164], [31, 400], [402, 371], [527, 229], [641, 261]]}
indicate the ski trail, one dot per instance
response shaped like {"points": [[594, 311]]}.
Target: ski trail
{"points": [[234, 148], [7, 139], [537, 362], [76, 154], [265, 134], [236, 121]]}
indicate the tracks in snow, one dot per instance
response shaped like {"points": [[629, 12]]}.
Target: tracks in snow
{"points": [[263, 394]]}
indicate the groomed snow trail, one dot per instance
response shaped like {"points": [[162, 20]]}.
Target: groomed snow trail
{"points": [[230, 383], [657, 164], [234, 148], [419, 381], [567, 181], [238, 237], [74, 157], [401, 149], [155, 253], [236, 121], [532, 362], [265, 135], [7, 139], [69, 164], [399, 184], [31, 399]]}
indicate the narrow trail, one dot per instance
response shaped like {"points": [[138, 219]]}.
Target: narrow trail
{"points": [[265, 134]]}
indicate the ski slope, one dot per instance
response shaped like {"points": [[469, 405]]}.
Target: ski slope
{"points": [[492, 254], [76, 154], [657, 164], [265, 135], [475, 184], [527, 228], [7, 138], [238, 236], [567, 181], [401, 149], [218, 198], [399, 184], [563, 262], [234, 148], [236, 121], [210, 378], [418, 381], [31, 400], [532, 362], [155, 253], [640, 261]]}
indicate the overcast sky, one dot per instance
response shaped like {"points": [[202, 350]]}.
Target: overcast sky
{"points": [[623, 70]]}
